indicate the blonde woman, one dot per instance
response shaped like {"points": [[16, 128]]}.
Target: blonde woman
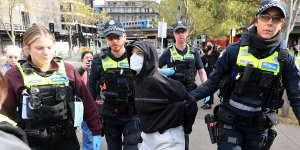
{"points": [[41, 96]]}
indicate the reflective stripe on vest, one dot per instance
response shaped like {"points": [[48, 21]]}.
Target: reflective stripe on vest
{"points": [[176, 56], [109, 63], [270, 63], [6, 119], [33, 79], [297, 58]]}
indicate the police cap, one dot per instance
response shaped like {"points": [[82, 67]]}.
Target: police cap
{"points": [[266, 4], [113, 27], [179, 25]]}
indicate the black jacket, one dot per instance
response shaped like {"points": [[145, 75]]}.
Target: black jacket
{"points": [[160, 101], [12, 137]]}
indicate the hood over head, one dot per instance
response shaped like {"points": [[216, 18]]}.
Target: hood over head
{"points": [[150, 58]]}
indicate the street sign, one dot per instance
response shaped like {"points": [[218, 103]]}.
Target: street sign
{"points": [[162, 29]]}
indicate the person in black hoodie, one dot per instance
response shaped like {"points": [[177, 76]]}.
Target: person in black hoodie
{"points": [[165, 108]]}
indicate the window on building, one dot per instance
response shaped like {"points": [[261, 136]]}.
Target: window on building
{"points": [[126, 4], [70, 7], [25, 18]]}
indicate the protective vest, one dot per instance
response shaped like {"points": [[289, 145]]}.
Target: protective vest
{"points": [[118, 81], [257, 82], [6, 119], [297, 57], [44, 98], [185, 70]]}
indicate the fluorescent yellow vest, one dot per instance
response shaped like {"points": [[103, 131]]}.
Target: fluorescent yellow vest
{"points": [[270, 63], [33, 79], [175, 56], [297, 57], [6, 119], [109, 63]]}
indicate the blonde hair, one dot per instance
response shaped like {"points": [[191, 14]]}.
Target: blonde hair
{"points": [[33, 33], [3, 88]]}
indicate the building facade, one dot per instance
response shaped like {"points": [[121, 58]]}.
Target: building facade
{"points": [[24, 15], [131, 10]]}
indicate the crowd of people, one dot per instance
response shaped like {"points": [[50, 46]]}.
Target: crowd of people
{"points": [[130, 95]]}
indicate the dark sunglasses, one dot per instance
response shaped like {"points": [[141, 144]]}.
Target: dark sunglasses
{"points": [[268, 17]]}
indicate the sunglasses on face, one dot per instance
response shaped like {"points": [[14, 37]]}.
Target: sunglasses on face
{"points": [[268, 17]]}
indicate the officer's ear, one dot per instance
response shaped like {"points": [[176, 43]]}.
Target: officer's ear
{"points": [[26, 49]]}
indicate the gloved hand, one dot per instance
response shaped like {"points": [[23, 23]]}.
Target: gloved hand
{"points": [[97, 142], [168, 71], [206, 99]]}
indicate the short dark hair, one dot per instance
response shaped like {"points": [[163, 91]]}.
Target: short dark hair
{"points": [[213, 43], [84, 53]]}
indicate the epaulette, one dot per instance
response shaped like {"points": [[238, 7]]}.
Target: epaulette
{"points": [[26, 67], [57, 59], [103, 52], [21, 61]]}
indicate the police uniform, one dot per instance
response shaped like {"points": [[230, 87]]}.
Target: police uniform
{"points": [[185, 63], [43, 104], [251, 94], [297, 57], [112, 80], [11, 136]]}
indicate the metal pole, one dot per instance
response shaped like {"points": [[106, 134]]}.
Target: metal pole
{"points": [[179, 10], [162, 40]]}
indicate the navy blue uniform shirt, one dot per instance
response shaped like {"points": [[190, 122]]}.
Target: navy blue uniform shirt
{"points": [[165, 58], [95, 77], [225, 64]]}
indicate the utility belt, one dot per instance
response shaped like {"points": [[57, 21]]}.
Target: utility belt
{"points": [[62, 130], [262, 121], [226, 119], [115, 107]]}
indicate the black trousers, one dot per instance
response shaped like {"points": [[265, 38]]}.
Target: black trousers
{"points": [[55, 142]]}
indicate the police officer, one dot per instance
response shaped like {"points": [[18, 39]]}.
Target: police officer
{"points": [[43, 94], [184, 59], [255, 71], [295, 51], [112, 79]]}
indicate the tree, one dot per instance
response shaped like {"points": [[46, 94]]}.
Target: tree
{"points": [[76, 12], [210, 17], [10, 30], [292, 8]]}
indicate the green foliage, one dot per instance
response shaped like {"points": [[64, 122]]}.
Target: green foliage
{"points": [[211, 17]]}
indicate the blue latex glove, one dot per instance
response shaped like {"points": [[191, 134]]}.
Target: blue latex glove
{"points": [[206, 99], [167, 71], [97, 142]]}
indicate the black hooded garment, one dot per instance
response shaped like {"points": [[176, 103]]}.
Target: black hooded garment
{"points": [[161, 102]]}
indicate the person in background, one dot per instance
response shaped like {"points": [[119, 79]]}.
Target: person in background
{"points": [[84, 71], [11, 136], [13, 54], [166, 109], [209, 58], [47, 98], [85, 68]]}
